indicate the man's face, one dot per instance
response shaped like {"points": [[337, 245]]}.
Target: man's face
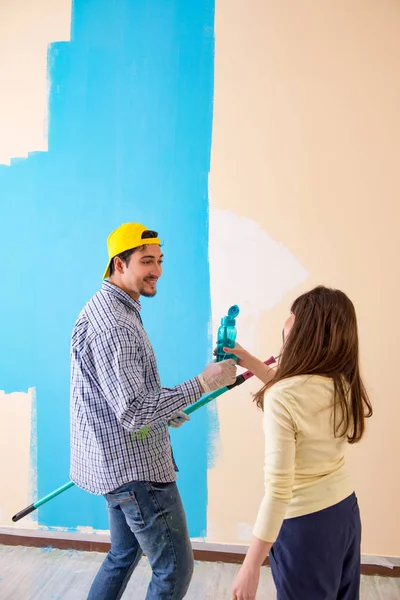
{"points": [[140, 276]]}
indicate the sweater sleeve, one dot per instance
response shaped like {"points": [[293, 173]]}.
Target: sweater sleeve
{"points": [[279, 468]]}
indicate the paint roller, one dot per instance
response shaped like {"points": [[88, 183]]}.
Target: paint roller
{"points": [[188, 410]]}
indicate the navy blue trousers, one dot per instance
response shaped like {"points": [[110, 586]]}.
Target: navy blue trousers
{"points": [[317, 556]]}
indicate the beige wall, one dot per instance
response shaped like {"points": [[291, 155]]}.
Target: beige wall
{"points": [[26, 28], [307, 142], [17, 455]]}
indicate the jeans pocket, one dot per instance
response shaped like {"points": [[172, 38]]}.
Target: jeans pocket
{"points": [[128, 503]]}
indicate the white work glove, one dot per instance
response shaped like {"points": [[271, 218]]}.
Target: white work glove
{"points": [[178, 419], [217, 375]]}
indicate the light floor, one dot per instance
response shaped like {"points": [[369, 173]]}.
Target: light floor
{"points": [[51, 574]]}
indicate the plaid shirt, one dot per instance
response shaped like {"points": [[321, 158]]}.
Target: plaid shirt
{"points": [[115, 392]]}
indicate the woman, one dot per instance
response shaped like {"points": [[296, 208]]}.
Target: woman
{"points": [[314, 404]]}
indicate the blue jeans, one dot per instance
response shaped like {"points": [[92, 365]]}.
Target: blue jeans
{"points": [[146, 518]]}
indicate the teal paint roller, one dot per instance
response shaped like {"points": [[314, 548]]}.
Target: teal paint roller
{"points": [[188, 410], [26, 511], [225, 339]]}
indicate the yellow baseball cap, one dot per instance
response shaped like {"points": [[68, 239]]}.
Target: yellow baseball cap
{"points": [[126, 237]]}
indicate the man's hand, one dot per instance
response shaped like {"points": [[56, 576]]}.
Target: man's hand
{"points": [[178, 419], [217, 375]]}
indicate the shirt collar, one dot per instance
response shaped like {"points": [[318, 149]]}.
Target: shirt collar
{"points": [[115, 291]]}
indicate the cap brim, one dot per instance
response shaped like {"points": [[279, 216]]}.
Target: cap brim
{"points": [[107, 272]]}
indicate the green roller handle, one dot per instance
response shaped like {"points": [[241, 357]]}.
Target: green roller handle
{"points": [[188, 410], [35, 505], [204, 400]]}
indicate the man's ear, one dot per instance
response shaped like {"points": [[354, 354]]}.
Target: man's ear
{"points": [[118, 265]]}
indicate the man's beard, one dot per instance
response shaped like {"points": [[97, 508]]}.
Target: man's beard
{"points": [[144, 291], [148, 294]]}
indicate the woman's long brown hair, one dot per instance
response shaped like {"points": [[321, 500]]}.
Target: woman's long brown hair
{"points": [[324, 341]]}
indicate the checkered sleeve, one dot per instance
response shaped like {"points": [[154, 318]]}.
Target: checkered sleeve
{"points": [[116, 358]]}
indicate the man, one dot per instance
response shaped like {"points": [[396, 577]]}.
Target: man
{"points": [[120, 445]]}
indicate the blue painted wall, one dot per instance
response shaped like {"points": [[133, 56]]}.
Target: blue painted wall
{"points": [[129, 140]]}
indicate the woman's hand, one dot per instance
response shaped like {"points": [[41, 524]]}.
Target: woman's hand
{"points": [[246, 584], [251, 363], [245, 359], [247, 580]]}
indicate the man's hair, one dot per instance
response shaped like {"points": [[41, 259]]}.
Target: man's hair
{"points": [[126, 255], [324, 341]]}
